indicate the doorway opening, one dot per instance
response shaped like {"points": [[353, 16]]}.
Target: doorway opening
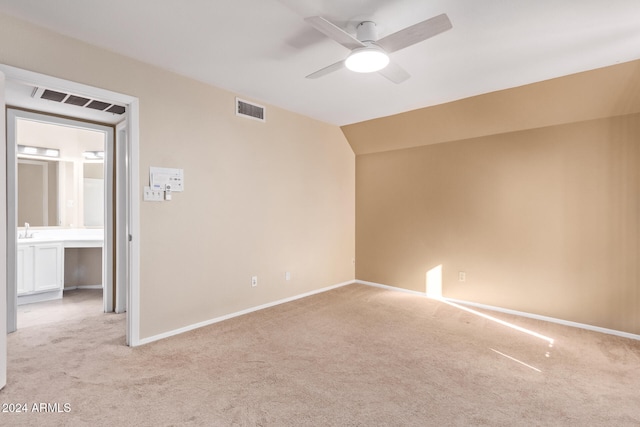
{"points": [[60, 193], [124, 181]]}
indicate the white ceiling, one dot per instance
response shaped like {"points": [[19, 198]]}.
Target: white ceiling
{"points": [[262, 49]]}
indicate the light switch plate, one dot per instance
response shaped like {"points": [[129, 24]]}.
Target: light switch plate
{"points": [[151, 195]]}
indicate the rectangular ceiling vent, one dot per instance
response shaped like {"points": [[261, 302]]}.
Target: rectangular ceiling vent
{"points": [[80, 101], [250, 110]]}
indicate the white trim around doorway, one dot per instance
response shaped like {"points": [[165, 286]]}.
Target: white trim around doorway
{"points": [[131, 201]]}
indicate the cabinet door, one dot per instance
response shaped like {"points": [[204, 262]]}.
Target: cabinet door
{"points": [[48, 267], [25, 269]]}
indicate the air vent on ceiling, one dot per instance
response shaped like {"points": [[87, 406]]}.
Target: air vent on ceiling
{"points": [[250, 110], [77, 100], [98, 105], [80, 101]]}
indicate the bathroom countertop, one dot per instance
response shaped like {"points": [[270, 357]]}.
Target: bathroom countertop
{"points": [[70, 238]]}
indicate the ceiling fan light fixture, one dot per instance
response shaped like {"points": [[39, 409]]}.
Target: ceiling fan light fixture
{"points": [[367, 59]]}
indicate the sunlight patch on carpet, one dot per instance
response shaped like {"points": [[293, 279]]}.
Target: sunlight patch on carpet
{"points": [[501, 322], [516, 360]]}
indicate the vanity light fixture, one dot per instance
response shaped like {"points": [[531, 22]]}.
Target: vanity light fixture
{"points": [[94, 155], [38, 151]]}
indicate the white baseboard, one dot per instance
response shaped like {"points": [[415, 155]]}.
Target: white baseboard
{"points": [[547, 319], [391, 288], [514, 312], [73, 288], [39, 297], [188, 328]]}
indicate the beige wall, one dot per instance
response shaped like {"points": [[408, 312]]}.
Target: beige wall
{"points": [[545, 221], [31, 191], [30, 174], [52, 180], [605, 92], [533, 192], [82, 267], [93, 170], [260, 198]]}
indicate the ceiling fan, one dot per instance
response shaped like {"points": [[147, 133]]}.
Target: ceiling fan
{"points": [[368, 54]]}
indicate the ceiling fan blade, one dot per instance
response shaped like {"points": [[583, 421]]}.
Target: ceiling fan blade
{"points": [[334, 32], [326, 70], [415, 33], [395, 73]]}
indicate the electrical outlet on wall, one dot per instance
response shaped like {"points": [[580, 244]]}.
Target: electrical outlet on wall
{"points": [[254, 281], [462, 276]]}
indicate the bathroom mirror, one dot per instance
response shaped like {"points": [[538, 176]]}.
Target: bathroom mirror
{"points": [[93, 194], [60, 175], [38, 192], [47, 193]]}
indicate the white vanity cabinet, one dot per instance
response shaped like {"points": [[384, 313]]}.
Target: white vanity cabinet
{"points": [[40, 269]]}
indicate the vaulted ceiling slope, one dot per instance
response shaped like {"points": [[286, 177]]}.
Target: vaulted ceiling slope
{"points": [[263, 49], [605, 92]]}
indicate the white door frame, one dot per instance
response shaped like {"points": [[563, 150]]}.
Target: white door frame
{"points": [[108, 260], [129, 202], [123, 216], [3, 239]]}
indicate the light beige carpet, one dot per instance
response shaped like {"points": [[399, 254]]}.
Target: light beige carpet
{"points": [[354, 356]]}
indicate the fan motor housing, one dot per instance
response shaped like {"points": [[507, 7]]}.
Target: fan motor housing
{"points": [[367, 32]]}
